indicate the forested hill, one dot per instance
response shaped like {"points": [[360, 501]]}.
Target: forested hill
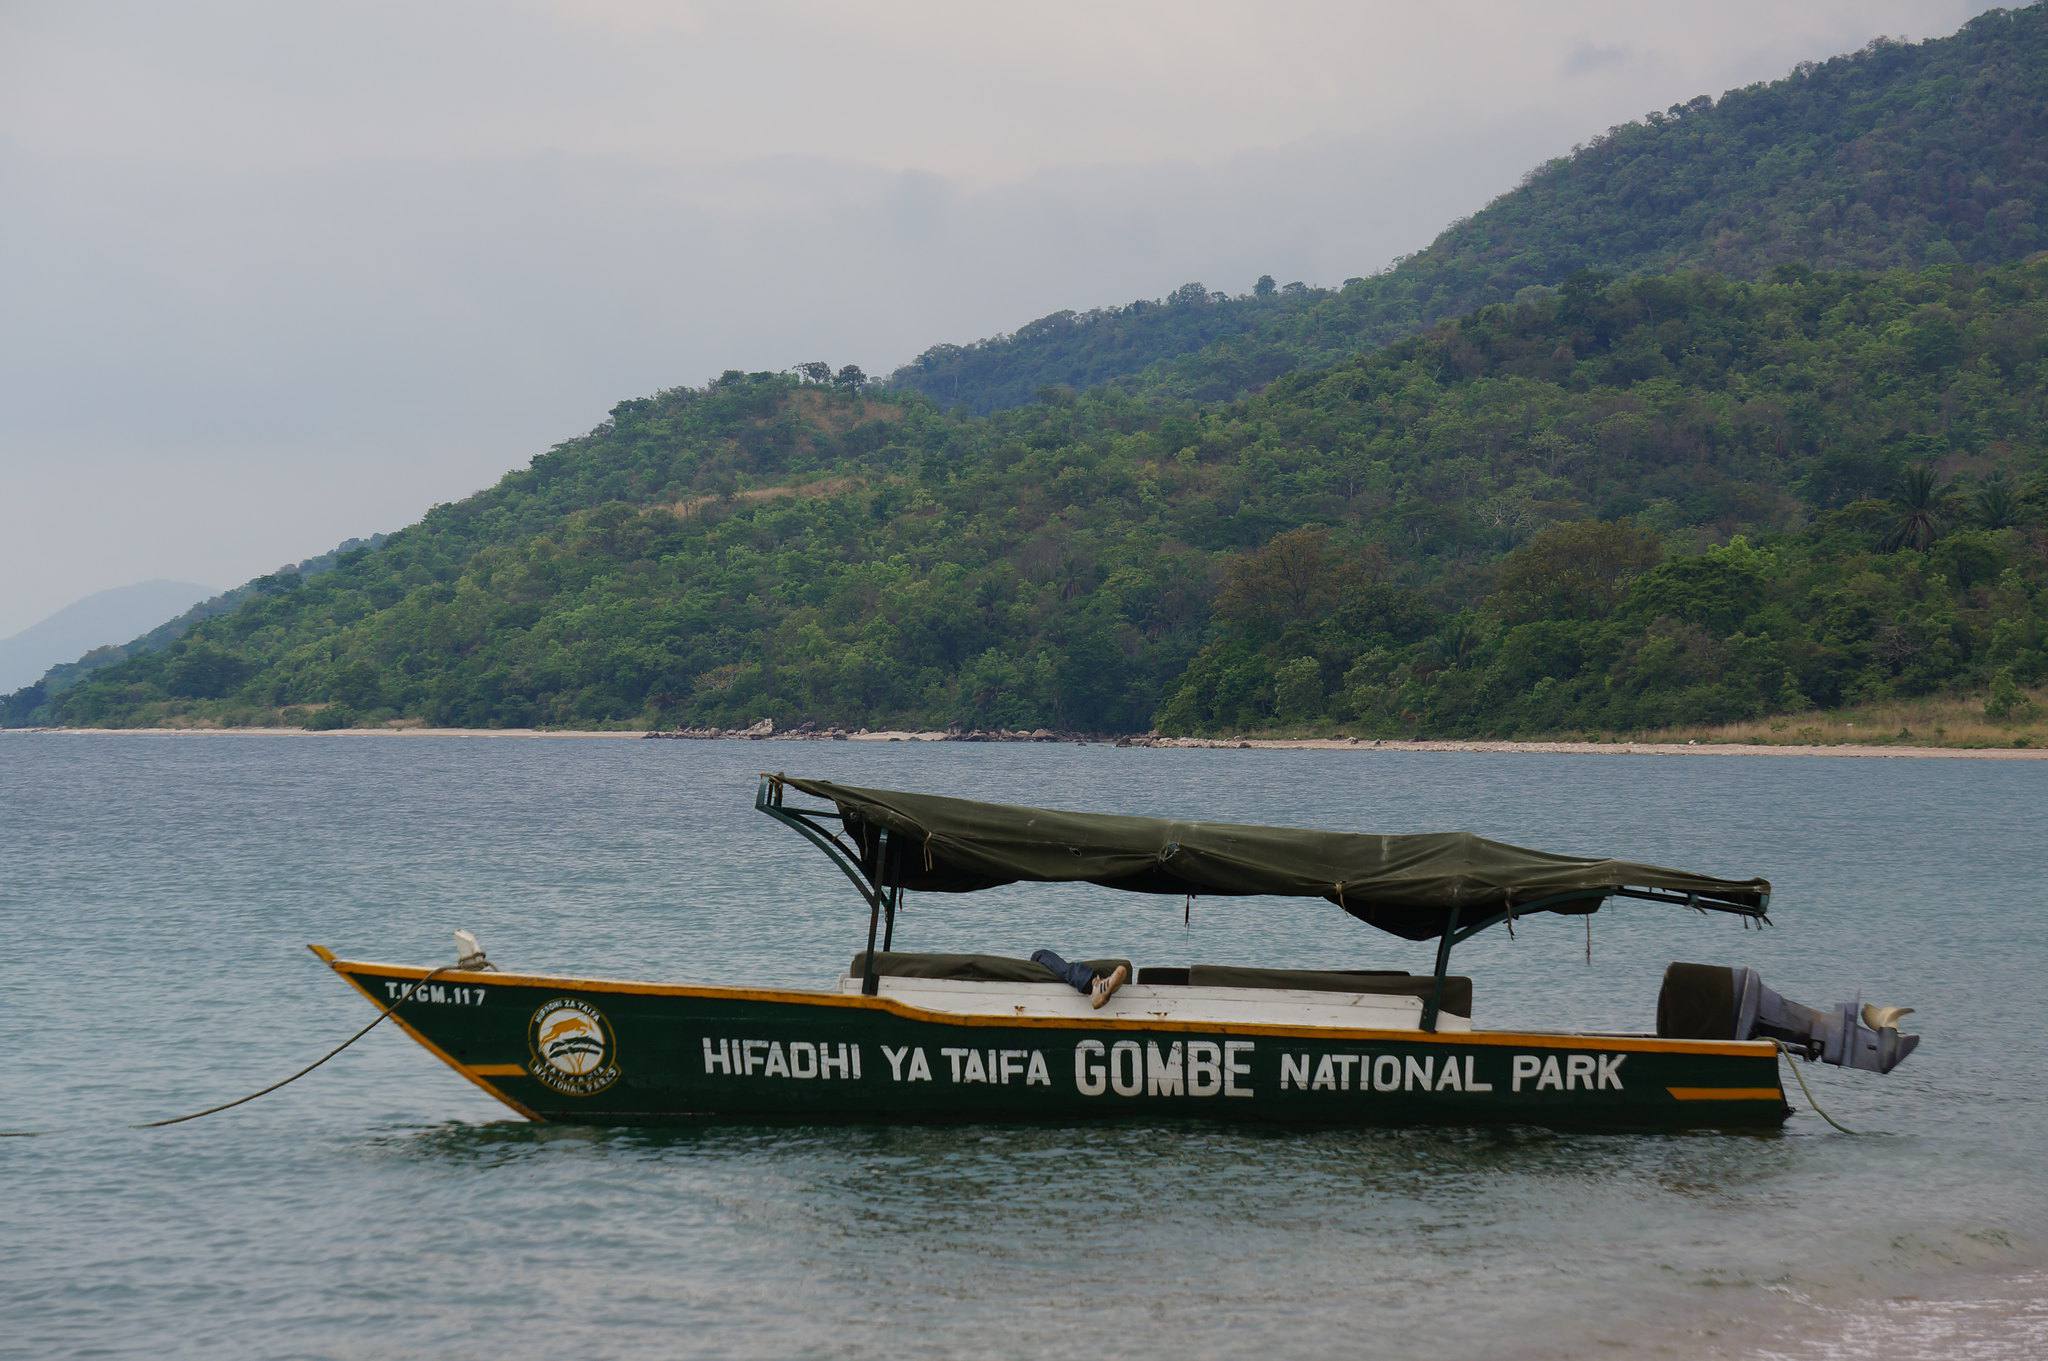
{"points": [[1530, 520], [1900, 155], [1084, 349], [64, 675]]}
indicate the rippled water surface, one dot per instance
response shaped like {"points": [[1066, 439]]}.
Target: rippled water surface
{"points": [[156, 895]]}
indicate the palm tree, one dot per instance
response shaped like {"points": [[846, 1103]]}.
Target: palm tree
{"points": [[1997, 507], [1920, 501], [1458, 640]]}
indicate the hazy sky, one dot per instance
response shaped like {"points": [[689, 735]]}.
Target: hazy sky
{"points": [[275, 275]]}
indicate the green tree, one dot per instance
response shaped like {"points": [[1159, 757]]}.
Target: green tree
{"points": [[204, 672], [2006, 702], [1294, 579], [1919, 506], [1995, 503], [1573, 571], [1298, 690]]}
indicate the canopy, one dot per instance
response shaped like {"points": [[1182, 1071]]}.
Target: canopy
{"points": [[1409, 885]]}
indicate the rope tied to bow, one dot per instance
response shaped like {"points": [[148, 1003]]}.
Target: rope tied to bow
{"points": [[378, 1020]]}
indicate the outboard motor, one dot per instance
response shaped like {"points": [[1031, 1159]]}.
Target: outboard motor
{"points": [[1710, 1002]]}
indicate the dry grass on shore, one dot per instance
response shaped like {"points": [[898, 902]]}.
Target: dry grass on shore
{"points": [[1931, 722]]}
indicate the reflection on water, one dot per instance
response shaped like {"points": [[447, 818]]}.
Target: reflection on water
{"points": [[158, 894]]}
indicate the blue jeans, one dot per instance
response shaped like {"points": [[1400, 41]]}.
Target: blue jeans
{"points": [[1079, 977]]}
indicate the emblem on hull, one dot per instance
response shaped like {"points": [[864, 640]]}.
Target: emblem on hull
{"points": [[574, 1051]]}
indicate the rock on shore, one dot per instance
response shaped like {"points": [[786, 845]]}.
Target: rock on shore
{"points": [[812, 732]]}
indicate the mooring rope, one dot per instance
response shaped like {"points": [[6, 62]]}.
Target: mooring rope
{"points": [[1785, 1052], [380, 1018]]}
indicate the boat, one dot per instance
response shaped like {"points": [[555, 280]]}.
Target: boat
{"points": [[904, 1036]]}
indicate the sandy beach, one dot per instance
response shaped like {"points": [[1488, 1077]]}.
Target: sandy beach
{"points": [[309, 732], [1871, 751]]}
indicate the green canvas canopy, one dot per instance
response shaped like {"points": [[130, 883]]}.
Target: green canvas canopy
{"points": [[1416, 886]]}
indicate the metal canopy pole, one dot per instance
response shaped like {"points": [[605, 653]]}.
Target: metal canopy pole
{"points": [[768, 799], [1434, 1006], [892, 892], [870, 984], [1454, 936]]}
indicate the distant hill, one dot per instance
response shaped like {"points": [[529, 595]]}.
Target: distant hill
{"points": [[1899, 156], [109, 616], [1673, 498], [1111, 344], [62, 675]]}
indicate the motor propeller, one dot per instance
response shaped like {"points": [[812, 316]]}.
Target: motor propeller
{"points": [[1710, 1001]]}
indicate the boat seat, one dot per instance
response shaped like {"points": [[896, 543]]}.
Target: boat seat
{"points": [[1382, 982], [967, 968]]}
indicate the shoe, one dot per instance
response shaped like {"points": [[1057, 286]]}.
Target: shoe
{"points": [[1105, 984]]}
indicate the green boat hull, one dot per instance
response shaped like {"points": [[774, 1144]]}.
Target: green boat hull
{"points": [[597, 1052]]}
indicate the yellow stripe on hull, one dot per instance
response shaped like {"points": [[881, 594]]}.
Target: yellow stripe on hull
{"points": [[1510, 1038], [436, 1050]]}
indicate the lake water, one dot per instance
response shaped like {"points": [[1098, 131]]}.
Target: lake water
{"points": [[156, 895]]}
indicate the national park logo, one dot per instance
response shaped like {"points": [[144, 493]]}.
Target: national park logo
{"points": [[573, 1049]]}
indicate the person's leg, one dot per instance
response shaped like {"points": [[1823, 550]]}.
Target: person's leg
{"points": [[1079, 977]]}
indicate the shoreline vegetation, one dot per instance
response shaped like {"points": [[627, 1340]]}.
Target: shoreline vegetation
{"points": [[1799, 735]]}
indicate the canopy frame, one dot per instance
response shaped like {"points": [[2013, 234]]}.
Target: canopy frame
{"points": [[885, 898], [882, 899], [1455, 934]]}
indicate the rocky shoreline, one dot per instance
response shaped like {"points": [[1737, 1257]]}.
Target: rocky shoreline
{"points": [[813, 732], [766, 730]]}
